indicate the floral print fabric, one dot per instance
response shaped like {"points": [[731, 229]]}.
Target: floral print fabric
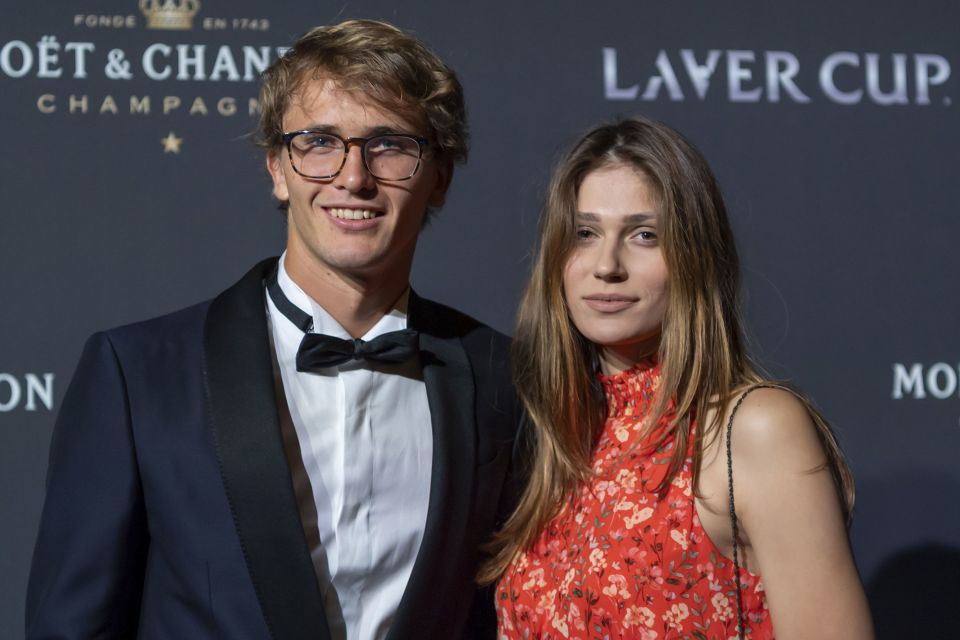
{"points": [[621, 561]]}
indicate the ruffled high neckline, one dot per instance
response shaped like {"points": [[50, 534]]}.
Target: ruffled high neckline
{"points": [[630, 392]]}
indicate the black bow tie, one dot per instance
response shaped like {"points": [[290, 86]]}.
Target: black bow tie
{"points": [[319, 351]]}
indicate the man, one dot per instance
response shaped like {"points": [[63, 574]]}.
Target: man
{"points": [[227, 471]]}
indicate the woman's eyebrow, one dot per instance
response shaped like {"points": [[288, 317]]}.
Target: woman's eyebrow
{"points": [[631, 218]]}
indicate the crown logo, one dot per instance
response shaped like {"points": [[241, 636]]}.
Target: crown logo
{"points": [[169, 14]]}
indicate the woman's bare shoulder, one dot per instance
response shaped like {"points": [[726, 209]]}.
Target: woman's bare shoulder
{"points": [[773, 427]]}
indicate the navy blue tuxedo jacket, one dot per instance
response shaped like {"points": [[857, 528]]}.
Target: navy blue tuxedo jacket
{"points": [[170, 511]]}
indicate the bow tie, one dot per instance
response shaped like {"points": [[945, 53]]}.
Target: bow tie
{"points": [[318, 350]]}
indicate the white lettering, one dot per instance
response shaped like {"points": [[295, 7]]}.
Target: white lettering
{"points": [[80, 49], [908, 381], [224, 62], [736, 75], [943, 373], [828, 83], [15, 392], [48, 48], [36, 389], [700, 74], [899, 93], [610, 89], [782, 68], [149, 67], [187, 60], [923, 62], [26, 59], [667, 77], [256, 62]]}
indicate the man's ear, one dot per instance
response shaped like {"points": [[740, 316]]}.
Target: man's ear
{"points": [[275, 169], [444, 170]]}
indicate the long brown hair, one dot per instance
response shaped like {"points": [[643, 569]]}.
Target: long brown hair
{"points": [[701, 351]]}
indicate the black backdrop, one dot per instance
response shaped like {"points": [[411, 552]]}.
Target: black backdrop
{"points": [[832, 127]]}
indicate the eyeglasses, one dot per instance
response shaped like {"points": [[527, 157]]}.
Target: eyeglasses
{"points": [[321, 155]]}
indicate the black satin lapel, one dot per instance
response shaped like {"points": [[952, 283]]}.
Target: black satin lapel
{"points": [[243, 410], [450, 393]]}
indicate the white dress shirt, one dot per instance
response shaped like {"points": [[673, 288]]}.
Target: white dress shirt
{"points": [[366, 442]]}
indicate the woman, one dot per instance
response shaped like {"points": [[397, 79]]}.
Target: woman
{"points": [[630, 362]]}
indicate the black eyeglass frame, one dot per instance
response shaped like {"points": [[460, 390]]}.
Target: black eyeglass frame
{"points": [[288, 137]]}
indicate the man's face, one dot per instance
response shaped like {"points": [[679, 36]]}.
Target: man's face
{"points": [[324, 239]]}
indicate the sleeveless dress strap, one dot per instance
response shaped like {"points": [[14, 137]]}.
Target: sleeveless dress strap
{"points": [[733, 511]]}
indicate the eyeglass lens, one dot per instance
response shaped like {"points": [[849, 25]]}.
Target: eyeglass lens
{"points": [[388, 157]]}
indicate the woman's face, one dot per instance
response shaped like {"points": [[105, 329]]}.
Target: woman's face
{"points": [[615, 280]]}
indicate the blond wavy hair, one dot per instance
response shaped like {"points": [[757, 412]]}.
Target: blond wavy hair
{"points": [[395, 70]]}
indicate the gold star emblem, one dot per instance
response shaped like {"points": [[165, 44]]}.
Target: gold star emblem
{"points": [[171, 144]]}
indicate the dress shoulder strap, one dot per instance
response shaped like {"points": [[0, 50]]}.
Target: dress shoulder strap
{"points": [[733, 510]]}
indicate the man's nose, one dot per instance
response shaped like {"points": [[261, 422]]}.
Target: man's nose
{"points": [[354, 175]]}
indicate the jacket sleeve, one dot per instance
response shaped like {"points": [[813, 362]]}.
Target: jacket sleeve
{"points": [[86, 578]]}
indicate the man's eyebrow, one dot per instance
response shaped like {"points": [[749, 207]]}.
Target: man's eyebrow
{"points": [[320, 128], [632, 218], [379, 130], [385, 129]]}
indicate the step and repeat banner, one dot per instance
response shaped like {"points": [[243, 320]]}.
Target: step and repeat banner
{"points": [[131, 188]]}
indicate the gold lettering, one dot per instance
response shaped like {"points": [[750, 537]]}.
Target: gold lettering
{"points": [[140, 105], [214, 24], [97, 21], [170, 103], [227, 106], [47, 103], [109, 105], [198, 106], [78, 104]]}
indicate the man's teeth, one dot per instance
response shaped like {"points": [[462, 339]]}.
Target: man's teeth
{"points": [[353, 214]]}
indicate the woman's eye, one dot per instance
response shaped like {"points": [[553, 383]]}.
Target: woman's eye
{"points": [[646, 236], [584, 234]]}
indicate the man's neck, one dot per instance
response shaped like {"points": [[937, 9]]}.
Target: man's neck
{"points": [[357, 303]]}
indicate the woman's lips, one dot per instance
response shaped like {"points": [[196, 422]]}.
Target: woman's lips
{"points": [[609, 303]]}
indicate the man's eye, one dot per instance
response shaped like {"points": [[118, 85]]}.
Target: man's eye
{"points": [[319, 141], [391, 144], [380, 144]]}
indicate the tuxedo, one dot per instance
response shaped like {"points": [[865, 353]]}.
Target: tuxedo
{"points": [[170, 510]]}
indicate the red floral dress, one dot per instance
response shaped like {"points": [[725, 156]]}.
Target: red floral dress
{"points": [[622, 562]]}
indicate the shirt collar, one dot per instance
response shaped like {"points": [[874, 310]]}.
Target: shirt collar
{"points": [[323, 322]]}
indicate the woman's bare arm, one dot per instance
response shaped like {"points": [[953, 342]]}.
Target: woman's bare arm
{"points": [[790, 513]]}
